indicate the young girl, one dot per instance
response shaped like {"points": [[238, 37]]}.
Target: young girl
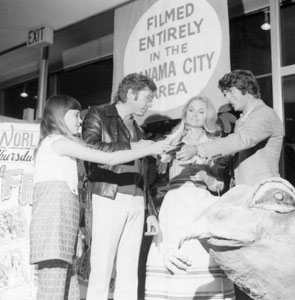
{"points": [[187, 197], [55, 213]]}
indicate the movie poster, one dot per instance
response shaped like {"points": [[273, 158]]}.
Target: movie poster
{"points": [[17, 144], [182, 45]]}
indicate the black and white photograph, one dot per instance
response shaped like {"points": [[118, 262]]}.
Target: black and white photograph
{"points": [[147, 150]]}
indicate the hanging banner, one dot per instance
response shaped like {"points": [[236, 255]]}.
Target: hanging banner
{"points": [[17, 144], [183, 45]]}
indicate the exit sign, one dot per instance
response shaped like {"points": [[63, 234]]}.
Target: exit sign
{"points": [[40, 36]]}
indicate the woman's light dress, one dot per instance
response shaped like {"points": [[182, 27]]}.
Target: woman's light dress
{"points": [[182, 204]]}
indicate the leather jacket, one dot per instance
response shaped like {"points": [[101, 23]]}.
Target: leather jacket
{"points": [[104, 130]]}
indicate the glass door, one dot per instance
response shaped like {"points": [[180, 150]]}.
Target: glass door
{"points": [[288, 87]]}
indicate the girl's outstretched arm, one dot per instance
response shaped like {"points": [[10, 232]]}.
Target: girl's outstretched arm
{"points": [[65, 146]]}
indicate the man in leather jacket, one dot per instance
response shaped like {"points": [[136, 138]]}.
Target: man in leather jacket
{"points": [[118, 204]]}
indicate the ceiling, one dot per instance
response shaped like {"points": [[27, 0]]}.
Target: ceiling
{"points": [[63, 16], [17, 16]]}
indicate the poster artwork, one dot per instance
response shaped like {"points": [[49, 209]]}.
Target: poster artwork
{"points": [[17, 144], [182, 45]]}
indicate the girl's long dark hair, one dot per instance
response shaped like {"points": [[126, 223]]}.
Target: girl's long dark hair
{"points": [[53, 116]]}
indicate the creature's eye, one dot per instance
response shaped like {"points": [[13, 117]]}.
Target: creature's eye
{"points": [[279, 196], [275, 197]]}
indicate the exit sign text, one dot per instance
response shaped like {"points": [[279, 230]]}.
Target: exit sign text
{"points": [[40, 36]]}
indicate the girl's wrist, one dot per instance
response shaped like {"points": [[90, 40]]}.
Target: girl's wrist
{"points": [[81, 236]]}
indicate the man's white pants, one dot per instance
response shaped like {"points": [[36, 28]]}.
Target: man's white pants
{"points": [[117, 228]]}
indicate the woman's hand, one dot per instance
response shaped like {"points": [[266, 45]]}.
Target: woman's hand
{"points": [[200, 176], [186, 152]]}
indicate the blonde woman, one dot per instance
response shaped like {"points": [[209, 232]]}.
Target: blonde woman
{"points": [[187, 197]]}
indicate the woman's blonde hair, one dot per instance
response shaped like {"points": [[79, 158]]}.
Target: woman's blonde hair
{"points": [[211, 127], [53, 116]]}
